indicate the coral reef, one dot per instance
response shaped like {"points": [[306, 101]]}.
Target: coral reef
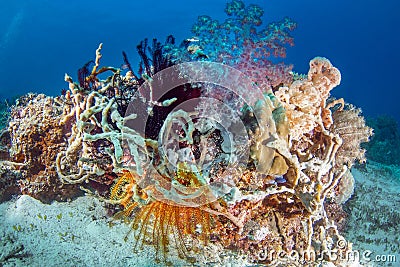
{"points": [[9, 178], [5, 143], [276, 205], [3, 114], [36, 138], [5, 108], [201, 154]]}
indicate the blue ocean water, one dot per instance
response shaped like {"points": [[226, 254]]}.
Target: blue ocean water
{"points": [[41, 40]]}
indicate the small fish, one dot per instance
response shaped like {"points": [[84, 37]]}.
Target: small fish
{"points": [[280, 180], [193, 39], [189, 41]]}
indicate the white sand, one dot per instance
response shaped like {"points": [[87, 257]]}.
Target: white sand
{"points": [[374, 222], [72, 234], [65, 234]]}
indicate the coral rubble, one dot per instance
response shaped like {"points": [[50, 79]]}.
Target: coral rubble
{"points": [[243, 155]]}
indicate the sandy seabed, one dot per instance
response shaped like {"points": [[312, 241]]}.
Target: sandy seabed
{"points": [[79, 233], [76, 233], [373, 226], [64, 234]]}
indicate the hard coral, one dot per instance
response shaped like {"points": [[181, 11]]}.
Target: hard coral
{"points": [[36, 139], [5, 144], [9, 178]]}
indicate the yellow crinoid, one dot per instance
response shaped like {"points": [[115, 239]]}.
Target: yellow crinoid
{"points": [[161, 224]]}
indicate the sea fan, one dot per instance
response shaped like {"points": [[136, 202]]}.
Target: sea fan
{"points": [[350, 126]]}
